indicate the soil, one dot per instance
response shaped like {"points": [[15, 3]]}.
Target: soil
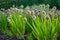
{"points": [[5, 37]]}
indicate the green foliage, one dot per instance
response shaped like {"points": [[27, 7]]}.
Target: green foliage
{"points": [[3, 21], [58, 2], [17, 23], [9, 3], [43, 28], [58, 29], [29, 36]]}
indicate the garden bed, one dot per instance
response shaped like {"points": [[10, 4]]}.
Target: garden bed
{"points": [[30, 23]]}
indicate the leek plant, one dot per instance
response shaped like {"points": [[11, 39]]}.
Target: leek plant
{"points": [[17, 23], [43, 28], [58, 32], [40, 23], [30, 36], [4, 24], [3, 21]]}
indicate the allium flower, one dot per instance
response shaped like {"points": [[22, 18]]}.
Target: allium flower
{"points": [[12, 9], [34, 16], [20, 10], [25, 18], [29, 11], [48, 17], [33, 13], [44, 12], [21, 6], [37, 12], [27, 8], [7, 11], [16, 9], [32, 8]]}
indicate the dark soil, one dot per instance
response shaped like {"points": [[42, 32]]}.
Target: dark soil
{"points": [[5, 37]]}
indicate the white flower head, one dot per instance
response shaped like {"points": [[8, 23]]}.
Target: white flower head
{"points": [[21, 10], [44, 12], [25, 18], [29, 11]]}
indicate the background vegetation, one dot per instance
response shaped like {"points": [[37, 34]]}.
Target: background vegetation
{"points": [[9, 3]]}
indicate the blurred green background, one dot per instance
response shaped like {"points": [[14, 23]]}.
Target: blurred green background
{"points": [[8, 3]]}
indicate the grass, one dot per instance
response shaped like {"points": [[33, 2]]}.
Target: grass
{"points": [[44, 29], [17, 24]]}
